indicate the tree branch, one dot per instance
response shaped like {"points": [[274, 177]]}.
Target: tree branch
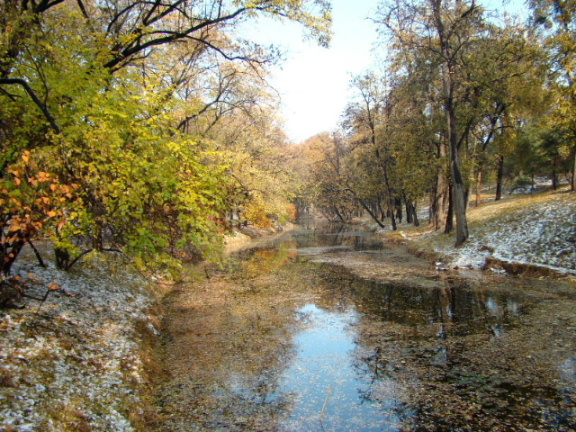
{"points": [[171, 36], [34, 97]]}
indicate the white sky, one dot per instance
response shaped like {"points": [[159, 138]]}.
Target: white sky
{"points": [[314, 82]]}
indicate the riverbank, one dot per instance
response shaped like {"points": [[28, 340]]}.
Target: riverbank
{"points": [[85, 359], [81, 360], [529, 234]]}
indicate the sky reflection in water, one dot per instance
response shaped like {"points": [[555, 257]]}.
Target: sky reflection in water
{"points": [[292, 342], [326, 389]]}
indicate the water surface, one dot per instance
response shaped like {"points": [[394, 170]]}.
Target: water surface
{"points": [[332, 331]]}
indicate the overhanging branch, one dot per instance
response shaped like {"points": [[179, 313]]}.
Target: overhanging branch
{"points": [[35, 98]]}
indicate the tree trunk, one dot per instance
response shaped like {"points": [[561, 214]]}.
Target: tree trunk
{"points": [[448, 83], [335, 208], [8, 255], [449, 222], [439, 198], [398, 203], [367, 208], [384, 168], [499, 178], [411, 215], [381, 210], [415, 219], [458, 188], [573, 182], [479, 186]]}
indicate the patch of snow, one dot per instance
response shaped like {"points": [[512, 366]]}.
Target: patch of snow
{"points": [[75, 359], [543, 235]]}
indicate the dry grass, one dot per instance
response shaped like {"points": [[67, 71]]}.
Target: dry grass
{"points": [[488, 219], [494, 210]]}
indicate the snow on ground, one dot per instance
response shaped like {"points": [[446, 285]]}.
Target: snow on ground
{"points": [[540, 234], [75, 363]]}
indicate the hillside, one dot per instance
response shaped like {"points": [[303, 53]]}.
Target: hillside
{"points": [[521, 233]]}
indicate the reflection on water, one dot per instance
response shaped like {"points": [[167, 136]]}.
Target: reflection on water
{"points": [[473, 310], [337, 236], [282, 343], [328, 393]]}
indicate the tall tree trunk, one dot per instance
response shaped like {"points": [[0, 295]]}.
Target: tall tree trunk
{"points": [[449, 222], [448, 73], [458, 188]]}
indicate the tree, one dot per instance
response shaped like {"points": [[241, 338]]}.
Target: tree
{"points": [[556, 19], [445, 29], [96, 90], [368, 120], [474, 67]]}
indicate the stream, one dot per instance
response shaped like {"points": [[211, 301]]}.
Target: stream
{"points": [[324, 328]]}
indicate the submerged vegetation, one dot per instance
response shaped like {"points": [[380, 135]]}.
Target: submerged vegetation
{"points": [[326, 329]]}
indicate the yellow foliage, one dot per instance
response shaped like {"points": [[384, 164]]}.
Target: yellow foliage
{"points": [[257, 215]]}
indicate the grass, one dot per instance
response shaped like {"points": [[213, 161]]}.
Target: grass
{"points": [[484, 219], [513, 205]]}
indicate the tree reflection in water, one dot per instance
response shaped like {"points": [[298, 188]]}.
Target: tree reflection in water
{"points": [[284, 341]]}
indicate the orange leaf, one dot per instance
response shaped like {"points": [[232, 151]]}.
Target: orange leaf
{"points": [[54, 287]]}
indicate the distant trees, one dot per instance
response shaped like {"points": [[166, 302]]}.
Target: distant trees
{"points": [[147, 126], [555, 20]]}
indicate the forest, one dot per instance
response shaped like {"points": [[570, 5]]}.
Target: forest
{"points": [[149, 127]]}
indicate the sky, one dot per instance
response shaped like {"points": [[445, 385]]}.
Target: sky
{"points": [[314, 82]]}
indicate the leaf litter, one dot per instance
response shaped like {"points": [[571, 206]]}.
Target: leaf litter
{"points": [[431, 351]]}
